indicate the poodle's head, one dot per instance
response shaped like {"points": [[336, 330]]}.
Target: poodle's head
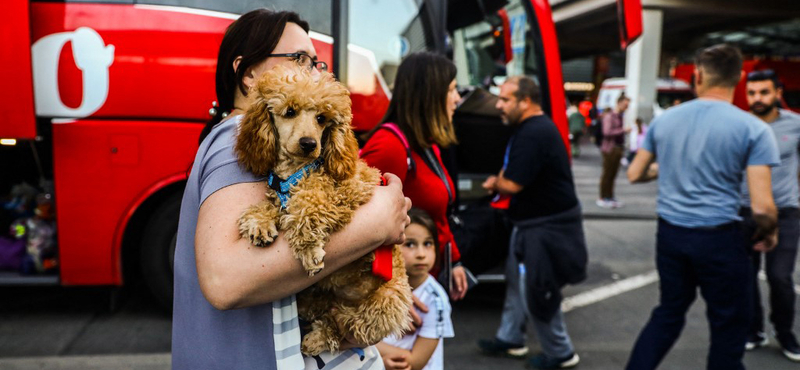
{"points": [[295, 118]]}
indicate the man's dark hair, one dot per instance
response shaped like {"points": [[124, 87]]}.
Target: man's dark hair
{"points": [[253, 36], [526, 88], [764, 75], [721, 64], [622, 97]]}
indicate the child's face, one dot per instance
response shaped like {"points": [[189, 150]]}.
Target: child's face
{"points": [[419, 251]]}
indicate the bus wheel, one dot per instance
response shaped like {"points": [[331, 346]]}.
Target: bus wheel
{"points": [[157, 251]]}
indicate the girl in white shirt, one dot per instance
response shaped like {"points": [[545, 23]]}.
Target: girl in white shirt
{"points": [[421, 349]]}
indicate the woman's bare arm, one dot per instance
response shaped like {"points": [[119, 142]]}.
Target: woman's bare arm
{"points": [[235, 274]]}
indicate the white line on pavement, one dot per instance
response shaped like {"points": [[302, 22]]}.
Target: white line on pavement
{"points": [[607, 291]]}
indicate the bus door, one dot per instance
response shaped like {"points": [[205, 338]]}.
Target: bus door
{"points": [[488, 41]]}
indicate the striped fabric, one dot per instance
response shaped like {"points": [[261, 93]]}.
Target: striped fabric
{"points": [[347, 360], [286, 333]]}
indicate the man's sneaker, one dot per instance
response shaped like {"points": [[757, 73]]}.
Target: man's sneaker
{"points": [[756, 340], [789, 346], [605, 203], [497, 347], [615, 203], [542, 361]]}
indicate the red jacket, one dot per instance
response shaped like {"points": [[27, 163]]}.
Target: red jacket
{"points": [[386, 152]]}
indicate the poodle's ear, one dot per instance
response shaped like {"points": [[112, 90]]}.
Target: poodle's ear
{"points": [[340, 152], [257, 142]]}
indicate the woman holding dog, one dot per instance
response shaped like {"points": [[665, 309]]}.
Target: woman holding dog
{"points": [[234, 304], [418, 122]]}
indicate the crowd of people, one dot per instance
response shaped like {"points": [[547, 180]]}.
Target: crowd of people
{"points": [[235, 306]]}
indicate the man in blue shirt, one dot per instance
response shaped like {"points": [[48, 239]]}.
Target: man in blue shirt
{"points": [[703, 148], [763, 96]]}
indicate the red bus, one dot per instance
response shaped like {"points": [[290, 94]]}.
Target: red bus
{"points": [[104, 102]]}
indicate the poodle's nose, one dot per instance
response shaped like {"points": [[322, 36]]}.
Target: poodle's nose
{"points": [[308, 144]]}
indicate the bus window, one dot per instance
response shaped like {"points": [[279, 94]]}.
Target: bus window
{"points": [[316, 13], [390, 29], [501, 45]]}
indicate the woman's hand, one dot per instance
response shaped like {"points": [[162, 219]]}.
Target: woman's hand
{"points": [[397, 206], [459, 283]]}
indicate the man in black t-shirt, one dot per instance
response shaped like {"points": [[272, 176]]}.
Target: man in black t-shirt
{"points": [[547, 241]]}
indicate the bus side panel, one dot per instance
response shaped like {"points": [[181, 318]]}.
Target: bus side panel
{"points": [[16, 99], [134, 61], [547, 29], [101, 169]]}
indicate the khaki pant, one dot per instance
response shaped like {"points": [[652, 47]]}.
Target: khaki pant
{"points": [[610, 168]]}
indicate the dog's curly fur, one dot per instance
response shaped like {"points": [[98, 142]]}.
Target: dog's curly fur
{"points": [[286, 106]]}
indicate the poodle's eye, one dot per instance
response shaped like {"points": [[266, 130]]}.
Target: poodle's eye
{"points": [[321, 119], [290, 112]]}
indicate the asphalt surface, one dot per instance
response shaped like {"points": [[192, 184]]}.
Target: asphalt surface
{"points": [[75, 328]]}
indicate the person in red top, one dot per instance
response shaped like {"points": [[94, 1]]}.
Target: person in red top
{"points": [[418, 122]]}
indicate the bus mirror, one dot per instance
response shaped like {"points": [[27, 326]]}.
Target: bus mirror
{"points": [[629, 13]]}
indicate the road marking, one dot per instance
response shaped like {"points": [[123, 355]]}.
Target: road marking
{"points": [[623, 286], [607, 291]]}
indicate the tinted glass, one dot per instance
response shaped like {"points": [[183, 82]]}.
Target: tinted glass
{"points": [[390, 29], [481, 50]]}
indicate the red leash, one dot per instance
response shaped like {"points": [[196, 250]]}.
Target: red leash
{"points": [[382, 264]]}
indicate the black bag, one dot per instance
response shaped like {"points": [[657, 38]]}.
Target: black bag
{"points": [[482, 236]]}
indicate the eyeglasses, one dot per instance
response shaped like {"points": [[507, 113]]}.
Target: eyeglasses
{"points": [[763, 74], [304, 60]]}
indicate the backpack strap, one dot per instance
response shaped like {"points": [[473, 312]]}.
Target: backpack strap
{"points": [[393, 128]]}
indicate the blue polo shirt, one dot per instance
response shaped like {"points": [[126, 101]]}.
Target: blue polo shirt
{"points": [[703, 148]]}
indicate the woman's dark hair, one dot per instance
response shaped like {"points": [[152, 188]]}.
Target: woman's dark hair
{"points": [[253, 36], [419, 100]]}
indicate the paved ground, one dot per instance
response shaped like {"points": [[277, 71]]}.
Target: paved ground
{"points": [[60, 328]]}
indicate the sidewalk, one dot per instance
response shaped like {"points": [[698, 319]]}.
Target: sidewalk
{"points": [[161, 361]]}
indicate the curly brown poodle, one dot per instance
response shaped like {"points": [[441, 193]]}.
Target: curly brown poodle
{"points": [[295, 119]]}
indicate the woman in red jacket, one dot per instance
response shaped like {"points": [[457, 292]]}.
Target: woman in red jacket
{"points": [[406, 143]]}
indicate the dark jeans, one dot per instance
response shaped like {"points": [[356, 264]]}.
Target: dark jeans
{"points": [[715, 260], [779, 268]]}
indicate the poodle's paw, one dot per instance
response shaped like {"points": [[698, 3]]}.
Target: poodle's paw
{"points": [[315, 342], [313, 261], [260, 234]]}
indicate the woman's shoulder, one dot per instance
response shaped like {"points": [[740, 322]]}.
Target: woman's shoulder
{"points": [[216, 162], [386, 135]]}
